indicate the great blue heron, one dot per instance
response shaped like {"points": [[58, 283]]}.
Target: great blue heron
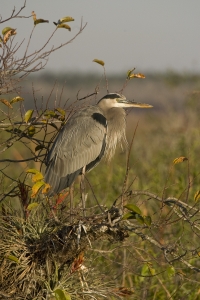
{"points": [[90, 134]]}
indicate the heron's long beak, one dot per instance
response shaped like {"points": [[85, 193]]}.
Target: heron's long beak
{"points": [[128, 103]]}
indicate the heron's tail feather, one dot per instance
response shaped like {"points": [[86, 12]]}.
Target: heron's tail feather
{"points": [[58, 183]]}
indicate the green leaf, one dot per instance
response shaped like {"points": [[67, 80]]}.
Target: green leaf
{"points": [[145, 270], [129, 72], [28, 115], [13, 258], [133, 208], [32, 171], [98, 61], [139, 218], [6, 29], [37, 177], [170, 271], [147, 220], [16, 99], [32, 205], [38, 21], [62, 295], [129, 215]]}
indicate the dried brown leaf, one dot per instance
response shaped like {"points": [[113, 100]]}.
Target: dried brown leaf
{"points": [[138, 75], [6, 102]]}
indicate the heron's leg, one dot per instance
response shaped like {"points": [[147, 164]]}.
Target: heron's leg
{"points": [[82, 188], [71, 195]]}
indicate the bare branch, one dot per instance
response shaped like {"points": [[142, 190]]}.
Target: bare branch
{"points": [[14, 14]]}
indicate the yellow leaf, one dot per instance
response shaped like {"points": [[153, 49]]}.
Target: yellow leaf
{"points": [[32, 205], [32, 171], [16, 99], [179, 160], [138, 75], [152, 271], [197, 196], [37, 177], [61, 295], [49, 113], [31, 130], [28, 115], [13, 258], [6, 102], [98, 61], [66, 19], [61, 118], [36, 187], [46, 188], [65, 26], [61, 111]]}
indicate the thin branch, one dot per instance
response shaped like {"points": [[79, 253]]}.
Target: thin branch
{"points": [[15, 15], [162, 247], [34, 158]]}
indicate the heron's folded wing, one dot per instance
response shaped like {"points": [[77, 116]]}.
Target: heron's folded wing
{"points": [[79, 143]]}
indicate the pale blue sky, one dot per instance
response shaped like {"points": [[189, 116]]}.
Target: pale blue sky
{"points": [[152, 35]]}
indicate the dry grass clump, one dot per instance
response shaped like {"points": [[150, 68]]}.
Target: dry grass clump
{"points": [[41, 258]]}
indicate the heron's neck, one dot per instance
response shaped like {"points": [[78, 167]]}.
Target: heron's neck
{"points": [[116, 126]]}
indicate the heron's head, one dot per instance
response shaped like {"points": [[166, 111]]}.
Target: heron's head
{"points": [[118, 100]]}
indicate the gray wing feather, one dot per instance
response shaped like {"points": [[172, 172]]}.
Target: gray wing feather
{"points": [[81, 142]]}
